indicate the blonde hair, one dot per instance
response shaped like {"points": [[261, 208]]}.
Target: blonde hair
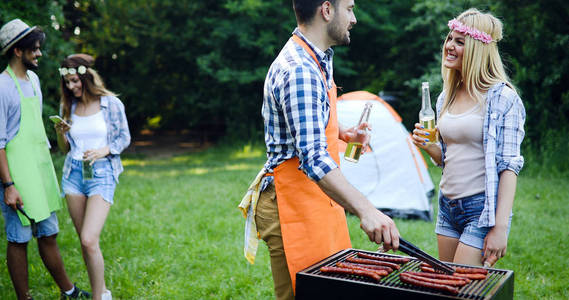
{"points": [[481, 63], [93, 86]]}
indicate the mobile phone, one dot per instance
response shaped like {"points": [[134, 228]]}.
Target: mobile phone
{"points": [[56, 119]]}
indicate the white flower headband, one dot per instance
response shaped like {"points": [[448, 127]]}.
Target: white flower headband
{"points": [[71, 71]]}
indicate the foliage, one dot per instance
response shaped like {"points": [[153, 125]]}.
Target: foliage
{"points": [[200, 65], [48, 15]]}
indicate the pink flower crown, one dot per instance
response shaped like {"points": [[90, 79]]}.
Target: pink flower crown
{"points": [[476, 34]]}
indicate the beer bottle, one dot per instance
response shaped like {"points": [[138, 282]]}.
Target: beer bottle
{"points": [[354, 148], [427, 115]]}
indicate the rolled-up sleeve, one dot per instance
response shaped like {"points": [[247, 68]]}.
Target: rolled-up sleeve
{"points": [[304, 106], [512, 127], [121, 138]]}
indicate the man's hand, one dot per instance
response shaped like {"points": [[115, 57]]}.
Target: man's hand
{"points": [[12, 197], [380, 229], [357, 134]]}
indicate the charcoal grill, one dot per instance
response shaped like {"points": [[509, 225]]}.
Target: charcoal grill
{"points": [[313, 284]]}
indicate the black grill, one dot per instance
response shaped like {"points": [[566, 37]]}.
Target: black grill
{"points": [[313, 284]]}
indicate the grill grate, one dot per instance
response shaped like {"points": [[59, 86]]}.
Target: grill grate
{"points": [[497, 285]]}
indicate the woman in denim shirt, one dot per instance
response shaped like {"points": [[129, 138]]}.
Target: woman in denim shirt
{"points": [[98, 134], [480, 124]]}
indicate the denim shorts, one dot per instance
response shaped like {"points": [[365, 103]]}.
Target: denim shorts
{"points": [[458, 219], [17, 233], [102, 183]]}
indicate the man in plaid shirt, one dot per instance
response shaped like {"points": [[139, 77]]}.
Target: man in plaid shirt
{"points": [[299, 121]]}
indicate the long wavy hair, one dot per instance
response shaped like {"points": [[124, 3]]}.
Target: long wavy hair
{"points": [[481, 63], [92, 84]]}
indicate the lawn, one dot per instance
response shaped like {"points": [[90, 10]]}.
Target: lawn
{"points": [[175, 233]]}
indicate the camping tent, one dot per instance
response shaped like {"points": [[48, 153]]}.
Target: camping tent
{"points": [[393, 175]]}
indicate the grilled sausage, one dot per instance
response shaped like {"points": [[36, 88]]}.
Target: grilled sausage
{"points": [[441, 287], [353, 266], [473, 276], [373, 262], [397, 260], [471, 270], [452, 282], [374, 267], [337, 270], [463, 270], [439, 276]]}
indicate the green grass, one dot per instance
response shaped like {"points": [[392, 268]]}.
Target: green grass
{"points": [[175, 232]]}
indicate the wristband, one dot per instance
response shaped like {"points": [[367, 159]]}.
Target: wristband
{"points": [[7, 184]]}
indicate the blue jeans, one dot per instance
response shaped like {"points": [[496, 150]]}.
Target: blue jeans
{"points": [[458, 219], [17, 233], [102, 183]]}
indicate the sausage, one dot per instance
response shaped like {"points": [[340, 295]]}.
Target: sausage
{"points": [[397, 260], [473, 276], [373, 262], [441, 287], [352, 266], [463, 270], [373, 267], [451, 282], [337, 270], [439, 276]]}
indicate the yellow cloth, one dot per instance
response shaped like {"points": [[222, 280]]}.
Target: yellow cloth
{"points": [[248, 207]]}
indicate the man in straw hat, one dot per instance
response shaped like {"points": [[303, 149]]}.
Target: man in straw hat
{"points": [[29, 193]]}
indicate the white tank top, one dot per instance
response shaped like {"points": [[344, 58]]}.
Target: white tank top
{"points": [[464, 171], [88, 133]]}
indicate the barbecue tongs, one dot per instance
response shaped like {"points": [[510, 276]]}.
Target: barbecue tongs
{"points": [[410, 249], [32, 221]]}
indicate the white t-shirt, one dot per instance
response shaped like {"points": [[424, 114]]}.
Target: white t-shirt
{"points": [[88, 132]]}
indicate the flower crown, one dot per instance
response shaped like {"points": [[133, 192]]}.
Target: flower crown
{"points": [[72, 71], [476, 34]]}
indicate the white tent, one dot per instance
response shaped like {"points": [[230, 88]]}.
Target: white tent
{"points": [[393, 175]]}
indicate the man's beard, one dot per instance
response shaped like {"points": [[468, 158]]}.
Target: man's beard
{"points": [[28, 64], [337, 34]]}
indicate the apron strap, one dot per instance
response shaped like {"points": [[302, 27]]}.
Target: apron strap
{"points": [[17, 82], [303, 44]]}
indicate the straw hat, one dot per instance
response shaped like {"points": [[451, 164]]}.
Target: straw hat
{"points": [[12, 32]]}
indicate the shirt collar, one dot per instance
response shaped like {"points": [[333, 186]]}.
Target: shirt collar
{"points": [[323, 57]]}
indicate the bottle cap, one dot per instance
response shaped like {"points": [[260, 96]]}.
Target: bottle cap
{"points": [[425, 84]]}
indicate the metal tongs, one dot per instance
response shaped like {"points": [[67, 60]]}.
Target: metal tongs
{"points": [[410, 249], [32, 221]]}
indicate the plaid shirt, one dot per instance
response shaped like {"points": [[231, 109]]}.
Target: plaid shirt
{"points": [[118, 135], [502, 138], [296, 109]]}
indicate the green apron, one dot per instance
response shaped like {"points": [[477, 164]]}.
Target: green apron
{"points": [[29, 161]]}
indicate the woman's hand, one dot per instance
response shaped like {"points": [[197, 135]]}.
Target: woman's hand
{"points": [[62, 127], [419, 137], [94, 154], [495, 245]]}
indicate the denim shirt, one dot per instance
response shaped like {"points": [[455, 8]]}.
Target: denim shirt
{"points": [[118, 135], [503, 133]]}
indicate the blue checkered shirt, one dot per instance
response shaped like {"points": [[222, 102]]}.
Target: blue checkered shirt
{"points": [[118, 134], [296, 109], [502, 138]]}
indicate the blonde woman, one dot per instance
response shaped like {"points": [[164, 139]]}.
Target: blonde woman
{"points": [[480, 122], [94, 133]]}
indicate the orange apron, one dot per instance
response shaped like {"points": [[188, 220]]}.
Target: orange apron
{"points": [[313, 226]]}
